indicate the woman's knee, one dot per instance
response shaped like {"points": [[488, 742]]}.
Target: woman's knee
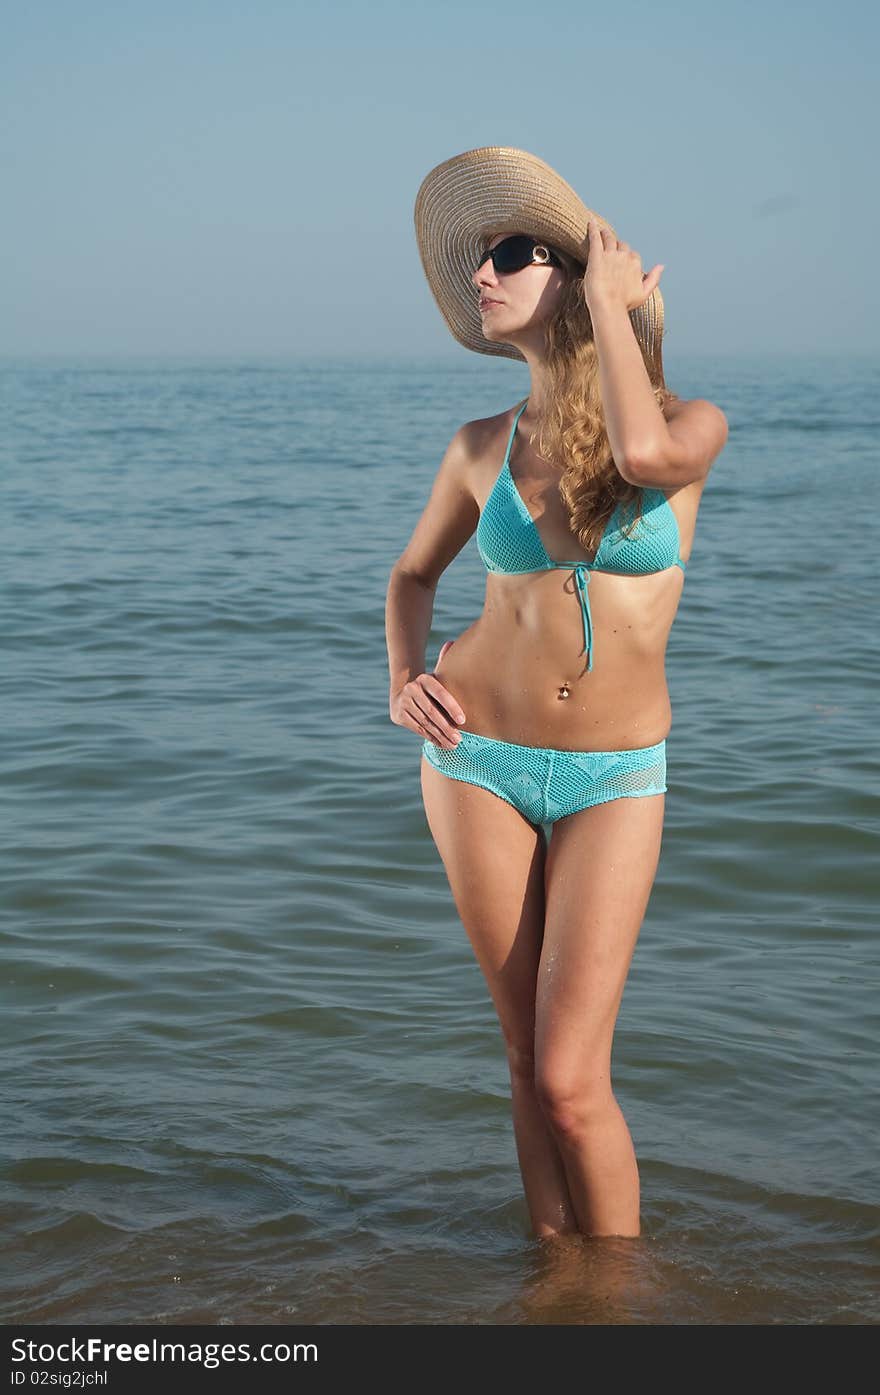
{"points": [[573, 1099]]}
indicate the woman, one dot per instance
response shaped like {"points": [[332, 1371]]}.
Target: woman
{"points": [[552, 707]]}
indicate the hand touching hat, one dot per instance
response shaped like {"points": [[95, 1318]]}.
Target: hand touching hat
{"points": [[614, 271]]}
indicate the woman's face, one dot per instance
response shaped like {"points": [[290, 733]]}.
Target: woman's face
{"points": [[517, 303]]}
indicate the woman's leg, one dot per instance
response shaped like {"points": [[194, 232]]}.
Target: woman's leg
{"points": [[494, 861], [599, 871]]}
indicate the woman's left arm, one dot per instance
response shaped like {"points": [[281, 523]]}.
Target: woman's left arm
{"points": [[647, 449], [636, 427]]}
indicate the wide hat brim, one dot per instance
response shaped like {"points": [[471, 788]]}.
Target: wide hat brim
{"points": [[497, 188]]}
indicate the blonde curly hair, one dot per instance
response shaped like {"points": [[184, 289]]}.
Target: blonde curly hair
{"points": [[571, 430]]}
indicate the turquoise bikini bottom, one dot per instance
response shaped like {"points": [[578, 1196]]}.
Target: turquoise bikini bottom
{"points": [[545, 784]]}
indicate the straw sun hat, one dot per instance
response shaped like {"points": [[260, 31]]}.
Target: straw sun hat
{"points": [[465, 201]]}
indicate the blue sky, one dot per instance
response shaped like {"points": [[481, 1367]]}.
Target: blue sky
{"points": [[233, 179]]}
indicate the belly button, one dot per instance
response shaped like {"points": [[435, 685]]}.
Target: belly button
{"points": [[564, 691]]}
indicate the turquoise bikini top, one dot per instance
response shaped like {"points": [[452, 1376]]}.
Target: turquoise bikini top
{"points": [[509, 541]]}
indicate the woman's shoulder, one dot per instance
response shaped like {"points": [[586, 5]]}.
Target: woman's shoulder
{"points": [[478, 447], [479, 436], [487, 425]]}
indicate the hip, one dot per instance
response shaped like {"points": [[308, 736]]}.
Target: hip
{"points": [[546, 785]]}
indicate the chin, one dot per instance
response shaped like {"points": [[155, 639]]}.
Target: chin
{"points": [[490, 332]]}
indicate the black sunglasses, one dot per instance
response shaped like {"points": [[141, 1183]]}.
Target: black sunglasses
{"points": [[513, 253]]}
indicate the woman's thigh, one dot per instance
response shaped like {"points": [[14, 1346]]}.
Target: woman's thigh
{"points": [[599, 871], [494, 861]]}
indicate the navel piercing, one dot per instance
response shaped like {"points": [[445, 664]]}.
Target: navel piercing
{"points": [[563, 691]]}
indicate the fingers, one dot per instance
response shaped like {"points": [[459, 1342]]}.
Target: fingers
{"points": [[441, 733], [426, 707], [604, 239], [432, 720], [437, 691], [440, 728], [429, 709]]}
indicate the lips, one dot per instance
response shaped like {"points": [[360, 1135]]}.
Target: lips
{"points": [[485, 304]]}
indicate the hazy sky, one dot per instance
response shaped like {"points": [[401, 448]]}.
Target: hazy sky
{"points": [[210, 176]]}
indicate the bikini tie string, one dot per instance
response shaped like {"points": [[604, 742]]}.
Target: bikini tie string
{"points": [[582, 580]]}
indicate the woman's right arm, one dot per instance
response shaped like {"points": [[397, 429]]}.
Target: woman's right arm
{"points": [[418, 700]]}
